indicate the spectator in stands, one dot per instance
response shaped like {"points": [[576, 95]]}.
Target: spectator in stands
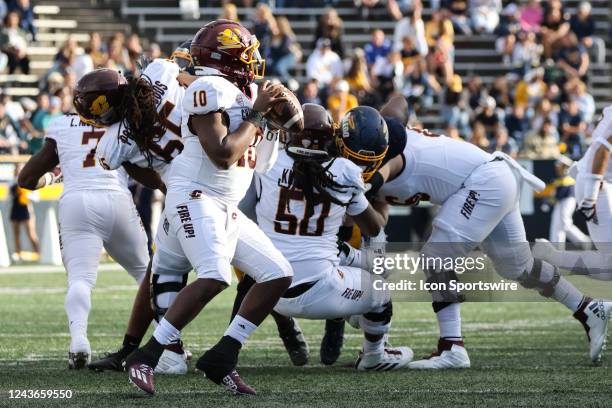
{"points": [[26, 14], [502, 143], [526, 53], [488, 116], [572, 127], [388, 74], [542, 143], [341, 100], [284, 50], [330, 27], [3, 9], [454, 109], [392, 7], [485, 15], [573, 58], [500, 90], [410, 56], [83, 63], [507, 31], [98, 55], [531, 88], [357, 77], [134, 51], [517, 124], [479, 137], [531, 16], [310, 93], [458, 10], [14, 43], [378, 47], [264, 27], [439, 63], [439, 33], [42, 110], [67, 54], [476, 92], [545, 111], [583, 25], [577, 91], [323, 64], [419, 87], [555, 26], [10, 135], [229, 12], [411, 26], [20, 217], [154, 51], [55, 110]]}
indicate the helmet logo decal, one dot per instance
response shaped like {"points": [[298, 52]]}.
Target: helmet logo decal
{"points": [[99, 106], [347, 124], [229, 39]]}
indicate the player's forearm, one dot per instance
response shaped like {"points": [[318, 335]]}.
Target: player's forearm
{"points": [[600, 159], [235, 144]]}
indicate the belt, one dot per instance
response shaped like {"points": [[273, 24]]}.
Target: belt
{"points": [[298, 290]]}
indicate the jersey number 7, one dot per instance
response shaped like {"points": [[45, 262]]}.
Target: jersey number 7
{"points": [[300, 226], [90, 159]]}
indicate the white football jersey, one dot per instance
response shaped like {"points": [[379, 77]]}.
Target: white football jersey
{"points": [[435, 168], [602, 131], [281, 210], [193, 169], [76, 145], [115, 148]]}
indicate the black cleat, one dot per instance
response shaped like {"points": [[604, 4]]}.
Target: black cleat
{"points": [[331, 344], [111, 361], [293, 339], [219, 365]]}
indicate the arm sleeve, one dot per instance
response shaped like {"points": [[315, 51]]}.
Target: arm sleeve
{"points": [[206, 95], [267, 151], [359, 203]]}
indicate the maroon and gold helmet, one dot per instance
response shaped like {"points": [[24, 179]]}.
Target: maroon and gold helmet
{"points": [[316, 141], [228, 47], [98, 96]]}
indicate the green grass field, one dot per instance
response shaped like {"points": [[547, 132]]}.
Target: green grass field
{"points": [[523, 354]]}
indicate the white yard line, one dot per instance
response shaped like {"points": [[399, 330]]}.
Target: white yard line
{"points": [[39, 291], [27, 269]]}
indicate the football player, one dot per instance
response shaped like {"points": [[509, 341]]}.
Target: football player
{"points": [[478, 197], [96, 209], [149, 151], [222, 122], [593, 175], [302, 202]]}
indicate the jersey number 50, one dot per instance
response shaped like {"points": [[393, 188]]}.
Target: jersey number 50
{"points": [[294, 225]]}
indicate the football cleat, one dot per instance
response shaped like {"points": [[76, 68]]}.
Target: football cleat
{"points": [[595, 317], [78, 360], [331, 344], [111, 361], [294, 341], [236, 385], [450, 354], [141, 375], [172, 362], [392, 358]]}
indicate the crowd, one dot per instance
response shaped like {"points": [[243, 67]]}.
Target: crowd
{"points": [[538, 108]]}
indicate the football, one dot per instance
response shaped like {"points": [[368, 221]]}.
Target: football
{"points": [[287, 115]]}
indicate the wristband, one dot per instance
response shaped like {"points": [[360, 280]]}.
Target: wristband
{"points": [[592, 184], [256, 118]]}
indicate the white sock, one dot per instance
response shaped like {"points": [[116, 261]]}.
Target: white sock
{"points": [[240, 329], [77, 305], [449, 321], [374, 347], [568, 295], [165, 333]]}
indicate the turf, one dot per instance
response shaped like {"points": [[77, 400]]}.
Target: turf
{"points": [[523, 354]]}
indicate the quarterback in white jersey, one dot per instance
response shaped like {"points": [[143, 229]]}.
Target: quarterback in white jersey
{"points": [[478, 195], [303, 201], [593, 175], [95, 210], [222, 124]]}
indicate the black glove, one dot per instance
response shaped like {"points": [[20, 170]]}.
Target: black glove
{"points": [[588, 211]]}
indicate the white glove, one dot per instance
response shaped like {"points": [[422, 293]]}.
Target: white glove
{"points": [[592, 185]]}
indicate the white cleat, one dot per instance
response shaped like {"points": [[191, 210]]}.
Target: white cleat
{"points": [[597, 314], [449, 355], [543, 249], [172, 363], [392, 358]]}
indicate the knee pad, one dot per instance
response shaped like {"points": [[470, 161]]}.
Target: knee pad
{"points": [[377, 321], [164, 289], [536, 279], [443, 277]]}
